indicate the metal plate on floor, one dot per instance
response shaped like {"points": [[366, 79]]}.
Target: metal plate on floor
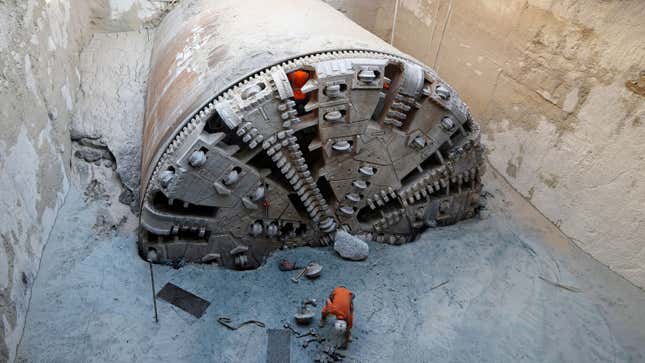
{"points": [[279, 346], [183, 299]]}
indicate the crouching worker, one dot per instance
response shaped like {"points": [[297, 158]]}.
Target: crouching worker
{"points": [[340, 304]]}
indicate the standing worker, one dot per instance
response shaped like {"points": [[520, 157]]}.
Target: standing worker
{"points": [[340, 304], [298, 79]]}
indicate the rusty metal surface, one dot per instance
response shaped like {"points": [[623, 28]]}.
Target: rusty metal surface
{"points": [[205, 46], [236, 166]]}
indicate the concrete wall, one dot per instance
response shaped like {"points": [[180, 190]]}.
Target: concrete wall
{"points": [[39, 45], [373, 15], [550, 82], [40, 84]]}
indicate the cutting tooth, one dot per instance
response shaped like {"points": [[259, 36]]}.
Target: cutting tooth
{"points": [[359, 184], [277, 156], [221, 189], [248, 204], [341, 145], [366, 170], [294, 179], [288, 171], [310, 208], [280, 163], [353, 197], [347, 210]]}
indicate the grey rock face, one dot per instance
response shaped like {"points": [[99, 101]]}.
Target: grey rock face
{"points": [[110, 107], [350, 247]]}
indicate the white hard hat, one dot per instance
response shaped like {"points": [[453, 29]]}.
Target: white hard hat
{"points": [[340, 325]]}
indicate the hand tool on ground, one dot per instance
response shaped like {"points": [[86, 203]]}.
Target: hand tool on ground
{"points": [[226, 322], [311, 332], [318, 339], [333, 353], [288, 326], [295, 279]]}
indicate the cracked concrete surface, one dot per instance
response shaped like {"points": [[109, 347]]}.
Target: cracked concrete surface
{"points": [[38, 46], [91, 301], [583, 128], [112, 98], [41, 76], [549, 82]]}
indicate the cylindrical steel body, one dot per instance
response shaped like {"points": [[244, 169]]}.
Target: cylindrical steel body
{"points": [[273, 124], [205, 46]]}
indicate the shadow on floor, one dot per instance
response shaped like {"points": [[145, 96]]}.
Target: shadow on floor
{"points": [[502, 303]]}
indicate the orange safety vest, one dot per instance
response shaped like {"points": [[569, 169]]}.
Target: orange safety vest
{"points": [[297, 80], [340, 304]]}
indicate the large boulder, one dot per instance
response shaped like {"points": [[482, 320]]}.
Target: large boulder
{"points": [[350, 247]]}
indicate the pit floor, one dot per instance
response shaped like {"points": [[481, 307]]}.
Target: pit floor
{"points": [[91, 301]]}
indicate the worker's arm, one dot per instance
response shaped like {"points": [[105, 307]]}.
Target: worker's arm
{"points": [[327, 309], [350, 323], [350, 318], [325, 312]]}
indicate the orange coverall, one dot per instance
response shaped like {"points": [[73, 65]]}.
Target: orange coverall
{"points": [[298, 79], [340, 304]]}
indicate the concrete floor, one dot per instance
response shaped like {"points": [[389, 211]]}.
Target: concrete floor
{"points": [[92, 301]]}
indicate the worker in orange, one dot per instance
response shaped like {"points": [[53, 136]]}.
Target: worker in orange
{"points": [[340, 304], [298, 79]]}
